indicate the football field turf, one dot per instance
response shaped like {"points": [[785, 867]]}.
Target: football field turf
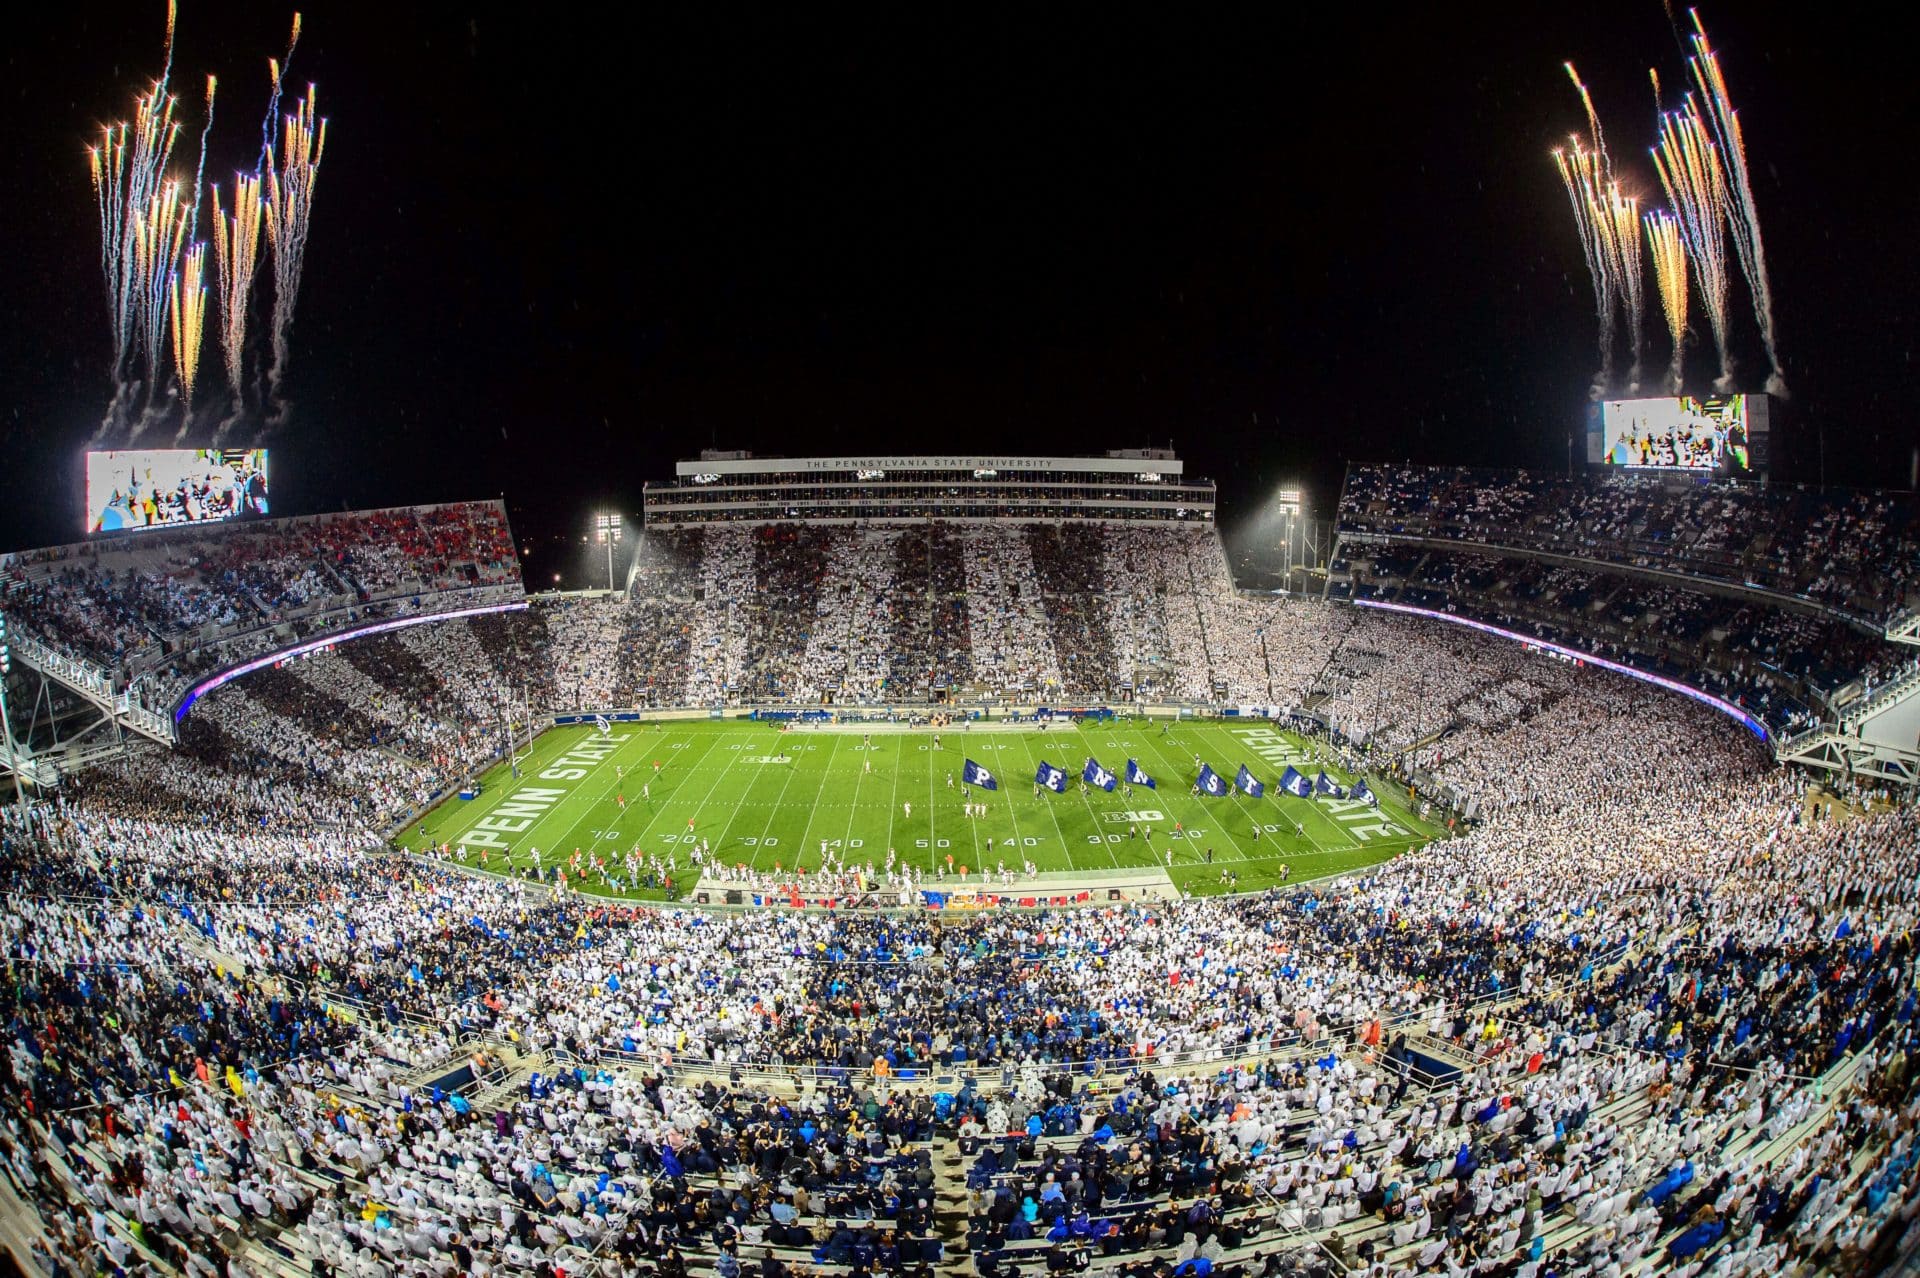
{"points": [[766, 798]]}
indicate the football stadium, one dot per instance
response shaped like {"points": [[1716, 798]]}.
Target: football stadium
{"points": [[877, 859]]}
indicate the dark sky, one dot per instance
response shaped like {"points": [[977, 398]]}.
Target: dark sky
{"points": [[551, 255]]}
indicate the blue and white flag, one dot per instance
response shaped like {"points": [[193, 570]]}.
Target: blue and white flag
{"points": [[1051, 777], [1136, 777], [1295, 784], [1211, 782], [1097, 775], [1362, 793], [973, 774], [1324, 784], [1248, 786], [600, 722]]}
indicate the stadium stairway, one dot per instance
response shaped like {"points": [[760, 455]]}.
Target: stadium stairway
{"points": [[20, 1225], [950, 1207]]}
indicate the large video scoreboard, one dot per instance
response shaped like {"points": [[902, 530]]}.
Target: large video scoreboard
{"points": [[1713, 434], [167, 487]]}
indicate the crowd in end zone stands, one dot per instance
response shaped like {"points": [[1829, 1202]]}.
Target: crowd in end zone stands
{"points": [[856, 614], [1579, 1040]]}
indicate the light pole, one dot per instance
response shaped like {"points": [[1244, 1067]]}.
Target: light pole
{"points": [[606, 530], [1287, 502]]}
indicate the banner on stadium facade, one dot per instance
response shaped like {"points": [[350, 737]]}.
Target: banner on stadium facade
{"points": [[1168, 466]]}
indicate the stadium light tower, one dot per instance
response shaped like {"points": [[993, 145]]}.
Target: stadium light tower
{"points": [[606, 530], [1286, 504]]}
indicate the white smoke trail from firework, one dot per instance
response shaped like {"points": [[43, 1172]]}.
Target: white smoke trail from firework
{"points": [[1610, 233], [1669, 253], [1743, 219], [1578, 172], [127, 169], [1623, 239], [289, 209], [1688, 163]]}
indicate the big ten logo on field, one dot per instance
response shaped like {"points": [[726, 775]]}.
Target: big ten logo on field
{"points": [[1145, 816]]}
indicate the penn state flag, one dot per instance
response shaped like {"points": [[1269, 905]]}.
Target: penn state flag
{"points": [[1097, 775], [1324, 784], [1295, 784], [1051, 777], [1361, 792], [1211, 782], [1248, 786], [973, 774], [600, 722], [1136, 777]]}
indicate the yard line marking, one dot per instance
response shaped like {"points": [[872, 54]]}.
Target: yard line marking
{"points": [[679, 783], [1239, 848], [721, 842], [826, 775], [893, 792], [778, 801], [1095, 817], [1034, 759]]}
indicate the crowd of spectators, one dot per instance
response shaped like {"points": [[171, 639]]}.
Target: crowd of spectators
{"points": [[1634, 965], [1069, 565], [846, 656], [1011, 642], [718, 631], [929, 644], [1854, 552], [1708, 879], [132, 601], [1780, 665]]}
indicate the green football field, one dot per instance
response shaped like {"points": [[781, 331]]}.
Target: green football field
{"points": [[765, 798]]}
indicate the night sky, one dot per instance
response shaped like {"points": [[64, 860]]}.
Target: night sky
{"points": [[550, 256]]}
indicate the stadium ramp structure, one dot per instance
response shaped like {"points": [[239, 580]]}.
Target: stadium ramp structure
{"points": [[1873, 730], [60, 712]]}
